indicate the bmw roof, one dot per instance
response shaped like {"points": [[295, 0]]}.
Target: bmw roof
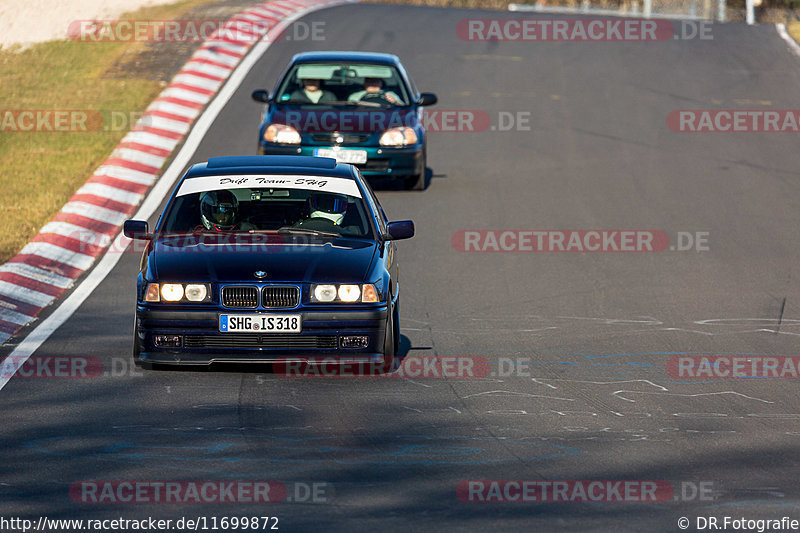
{"points": [[271, 164]]}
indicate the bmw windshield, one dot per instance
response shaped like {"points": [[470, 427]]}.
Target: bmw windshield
{"points": [[285, 204]]}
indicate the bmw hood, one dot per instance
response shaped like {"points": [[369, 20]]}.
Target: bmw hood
{"points": [[236, 258]]}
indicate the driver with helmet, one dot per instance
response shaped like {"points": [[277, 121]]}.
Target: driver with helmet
{"points": [[219, 211]]}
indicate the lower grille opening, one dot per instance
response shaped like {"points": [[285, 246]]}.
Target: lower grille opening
{"points": [[244, 340], [374, 165], [347, 138]]}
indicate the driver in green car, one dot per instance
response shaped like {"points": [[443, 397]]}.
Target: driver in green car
{"points": [[373, 88]]}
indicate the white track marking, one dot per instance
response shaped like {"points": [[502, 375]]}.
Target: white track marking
{"points": [[24, 294], [9, 315], [113, 193], [185, 94], [151, 139], [137, 156], [58, 254], [218, 58], [205, 68], [109, 216], [793, 46], [166, 124], [39, 274], [126, 174]]}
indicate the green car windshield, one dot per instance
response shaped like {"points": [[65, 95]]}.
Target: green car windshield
{"points": [[342, 83]]}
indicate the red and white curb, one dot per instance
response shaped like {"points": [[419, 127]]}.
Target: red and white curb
{"points": [[68, 245]]}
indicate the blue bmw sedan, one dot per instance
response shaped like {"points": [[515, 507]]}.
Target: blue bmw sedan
{"points": [[267, 259], [356, 107]]}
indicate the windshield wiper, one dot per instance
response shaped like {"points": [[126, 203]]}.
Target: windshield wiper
{"points": [[373, 104], [287, 230], [321, 103], [357, 103]]}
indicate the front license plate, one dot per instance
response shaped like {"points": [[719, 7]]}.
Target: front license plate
{"points": [[356, 157], [260, 324]]}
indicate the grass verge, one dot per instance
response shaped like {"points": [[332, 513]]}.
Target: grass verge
{"points": [[794, 30], [40, 170]]}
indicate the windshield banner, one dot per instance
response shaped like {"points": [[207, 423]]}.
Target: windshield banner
{"points": [[310, 183]]}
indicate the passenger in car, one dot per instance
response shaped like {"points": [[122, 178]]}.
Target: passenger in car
{"points": [[311, 93]]}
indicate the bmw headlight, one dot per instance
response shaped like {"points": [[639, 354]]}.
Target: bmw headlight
{"points": [[282, 134], [349, 293], [345, 293], [196, 292], [323, 293], [172, 292], [402, 136], [177, 292]]}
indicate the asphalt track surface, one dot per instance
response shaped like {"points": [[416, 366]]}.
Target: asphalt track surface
{"points": [[590, 333]]}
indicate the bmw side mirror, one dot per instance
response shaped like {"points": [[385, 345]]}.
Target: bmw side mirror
{"points": [[427, 99], [401, 229], [137, 229], [261, 96]]}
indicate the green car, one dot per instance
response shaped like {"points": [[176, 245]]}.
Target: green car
{"points": [[356, 107]]}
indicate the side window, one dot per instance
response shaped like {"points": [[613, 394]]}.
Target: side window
{"points": [[375, 204], [411, 85]]}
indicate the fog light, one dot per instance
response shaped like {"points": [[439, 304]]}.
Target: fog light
{"points": [[353, 341], [168, 341]]}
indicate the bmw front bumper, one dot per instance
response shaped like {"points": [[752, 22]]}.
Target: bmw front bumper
{"points": [[201, 342]]}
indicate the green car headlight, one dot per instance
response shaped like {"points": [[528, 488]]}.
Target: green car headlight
{"points": [[398, 137]]}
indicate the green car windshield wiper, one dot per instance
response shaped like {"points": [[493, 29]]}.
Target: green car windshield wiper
{"points": [[320, 103], [357, 103], [372, 104], [287, 230]]}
